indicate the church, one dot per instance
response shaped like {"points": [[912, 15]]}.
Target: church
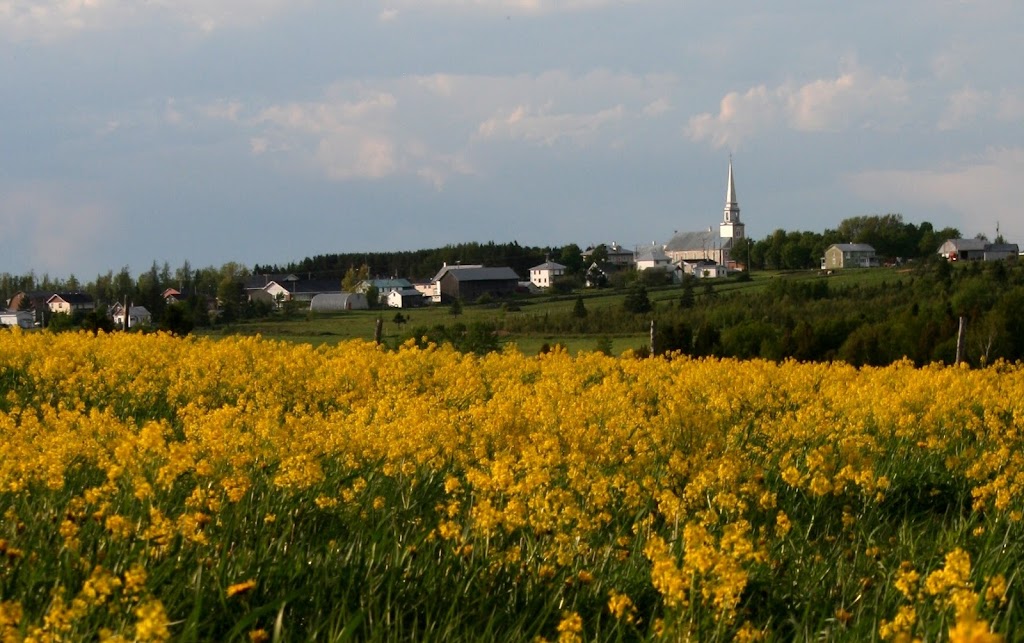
{"points": [[711, 245]]}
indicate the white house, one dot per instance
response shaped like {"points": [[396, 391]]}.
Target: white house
{"points": [[544, 275], [405, 298], [137, 316], [652, 257], [384, 287], [69, 302], [20, 318]]}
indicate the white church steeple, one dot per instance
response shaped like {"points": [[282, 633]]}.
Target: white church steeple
{"points": [[731, 227]]}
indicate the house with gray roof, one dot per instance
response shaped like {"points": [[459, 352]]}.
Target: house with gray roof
{"points": [[849, 255], [544, 275], [652, 257]]}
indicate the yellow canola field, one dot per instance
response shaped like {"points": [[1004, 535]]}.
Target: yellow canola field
{"points": [[657, 498]]}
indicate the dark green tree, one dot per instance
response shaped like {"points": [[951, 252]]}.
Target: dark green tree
{"points": [[686, 300], [579, 310], [636, 300], [455, 308], [177, 319]]}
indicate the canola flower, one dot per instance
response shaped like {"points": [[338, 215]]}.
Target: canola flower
{"points": [[363, 490]]}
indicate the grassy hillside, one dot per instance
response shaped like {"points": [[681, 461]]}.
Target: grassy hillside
{"points": [[330, 328]]}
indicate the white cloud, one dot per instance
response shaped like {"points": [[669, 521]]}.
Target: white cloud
{"points": [[855, 99], [981, 189], [53, 231], [739, 116], [540, 126], [511, 6], [964, 107], [1010, 106], [49, 20], [433, 126], [657, 107]]}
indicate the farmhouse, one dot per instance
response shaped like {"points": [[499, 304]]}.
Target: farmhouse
{"points": [[301, 289], [384, 287], [405, 298], [652, 257], [19, 318], [137, 316], [849, 255], [544, 275], [70, 302]]}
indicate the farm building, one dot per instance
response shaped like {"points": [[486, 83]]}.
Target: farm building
{"points": [[456, 282], [337, 301]]}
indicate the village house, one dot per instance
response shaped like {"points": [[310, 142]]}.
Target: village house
{"points": [[300, 290], [544, 275], [652, 257], [137, 316], [70, 302], [849, 255], [405, 298], [19, 318], [384, 287], [617, 256]]}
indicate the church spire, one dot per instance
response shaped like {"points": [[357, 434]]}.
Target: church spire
{"points": [[732, 208], [731, 226]]}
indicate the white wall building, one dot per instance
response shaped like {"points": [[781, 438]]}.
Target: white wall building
{"points": [[544, 275]]}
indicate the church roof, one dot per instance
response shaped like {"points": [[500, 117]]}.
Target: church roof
{"points": [[701, 240]]}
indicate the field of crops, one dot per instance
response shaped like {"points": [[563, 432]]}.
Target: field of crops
{"points": [[158, 488]]}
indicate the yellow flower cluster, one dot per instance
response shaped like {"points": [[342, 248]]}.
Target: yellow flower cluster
{"points": [[546, 466]]}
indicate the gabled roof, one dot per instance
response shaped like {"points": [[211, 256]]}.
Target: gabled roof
{"points": [[71, 297], [853, 247], [651, 253], [256, 282], [445, 269], [966, 245], [485, 274], [548, 265]]}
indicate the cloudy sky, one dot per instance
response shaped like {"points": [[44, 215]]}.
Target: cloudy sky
{"points": [[265, 131]]}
